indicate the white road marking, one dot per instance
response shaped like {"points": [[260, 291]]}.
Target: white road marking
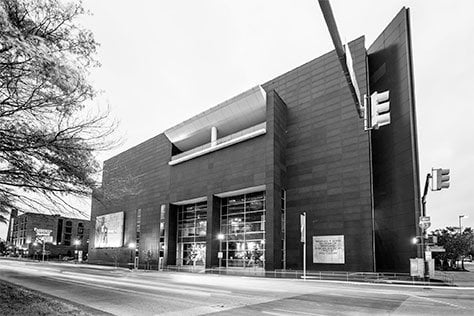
{"points": [[438, 301], [279, 311]]}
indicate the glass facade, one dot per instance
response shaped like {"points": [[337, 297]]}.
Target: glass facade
{"points": [[243, 226], [162, 230], [192, 229], [138, 231]]}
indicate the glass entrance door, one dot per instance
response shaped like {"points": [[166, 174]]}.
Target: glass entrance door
{"points": [[243, 226], [192, 225]]}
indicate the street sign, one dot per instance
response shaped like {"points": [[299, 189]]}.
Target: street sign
{"points": [[424, 219], [45, 239], [428, 255], [303, 227], [42, 232], [220, 255], [435, 249], [425, 222]]}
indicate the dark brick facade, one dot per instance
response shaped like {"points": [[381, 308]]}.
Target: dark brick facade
{"points": [[327, 159], [315, 148], [143, 183]]}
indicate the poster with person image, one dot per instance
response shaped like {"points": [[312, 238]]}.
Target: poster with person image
{"points": [[109, 230]]}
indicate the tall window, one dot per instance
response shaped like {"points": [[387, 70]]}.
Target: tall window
{"points": [[59, 234], [192, 226], [80, 231], [67, 233], [243, 226], [138, 230], [283, 228], [162, 229]]}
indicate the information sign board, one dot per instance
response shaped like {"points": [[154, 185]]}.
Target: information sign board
{"points": [[328, 249], [417, 267], [431, 268], [435, 249]]}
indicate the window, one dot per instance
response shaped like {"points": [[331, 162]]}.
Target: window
{"points": [[192, 230], [162, 230], [67, 233], [80, 231], [283, 228], [59, 233], [243, 226], [138, 230]]}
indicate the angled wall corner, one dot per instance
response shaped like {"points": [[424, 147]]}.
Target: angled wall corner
{"points": [[394, 148]]}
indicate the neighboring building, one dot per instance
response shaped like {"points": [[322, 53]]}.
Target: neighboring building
{"points": [[66, 235], [246, 169]]}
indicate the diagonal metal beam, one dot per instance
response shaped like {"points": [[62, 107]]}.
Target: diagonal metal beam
{"points": [[341, 54]]}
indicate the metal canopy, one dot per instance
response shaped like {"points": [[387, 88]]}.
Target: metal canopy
{"points": [[242, 111]]}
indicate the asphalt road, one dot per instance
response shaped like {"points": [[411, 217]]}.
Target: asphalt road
{"points": [[121, 292]]}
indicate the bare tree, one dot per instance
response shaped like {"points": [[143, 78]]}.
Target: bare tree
{"points": [[48, 131]]}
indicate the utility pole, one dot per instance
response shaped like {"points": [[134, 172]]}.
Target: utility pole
{"points": [[44, 248]]}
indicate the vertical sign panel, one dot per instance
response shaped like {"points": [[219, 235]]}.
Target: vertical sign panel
{"points": [[303, 227]]}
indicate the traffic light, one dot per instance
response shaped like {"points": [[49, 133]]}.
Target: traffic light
{"points": [[440, 179], [380, 109]]}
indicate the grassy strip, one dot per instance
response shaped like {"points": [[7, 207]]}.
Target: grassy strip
{"points": [[16, 300]]}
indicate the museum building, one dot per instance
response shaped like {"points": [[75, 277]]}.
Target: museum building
{"points": [[227, 186]]}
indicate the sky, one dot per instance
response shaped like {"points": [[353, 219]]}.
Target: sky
{"points": [[166, 61]]}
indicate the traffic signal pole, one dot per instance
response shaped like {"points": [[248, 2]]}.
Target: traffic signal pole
{"points": [[341, 53], [423, 214], [425, 193]]}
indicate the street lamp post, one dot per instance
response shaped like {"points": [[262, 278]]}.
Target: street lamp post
{"points": [[460, 222], [460, 235], [132, 249], [77, 242], [34, 245], [44, 247], [221, 238], [43, 243]]}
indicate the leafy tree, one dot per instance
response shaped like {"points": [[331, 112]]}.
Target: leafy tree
{"points": [[457, 245], [48, 129]]}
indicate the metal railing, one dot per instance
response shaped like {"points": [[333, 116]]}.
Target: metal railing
{"points": [[367, 277]]}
